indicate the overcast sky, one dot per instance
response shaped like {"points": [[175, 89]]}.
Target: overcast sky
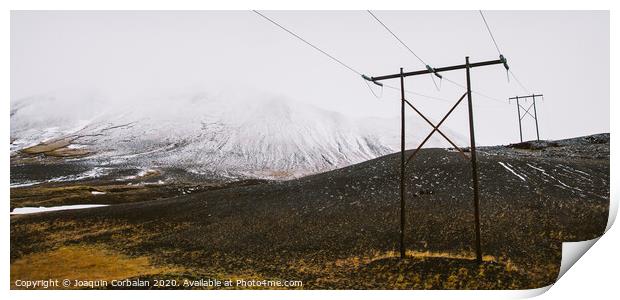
{"points": [[125, 55]]}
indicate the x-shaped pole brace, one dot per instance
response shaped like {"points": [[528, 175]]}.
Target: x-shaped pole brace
{"points": [[527, 111], [436, 128]]}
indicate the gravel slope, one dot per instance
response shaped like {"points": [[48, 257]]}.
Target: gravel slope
{"points": [[326, 228]]}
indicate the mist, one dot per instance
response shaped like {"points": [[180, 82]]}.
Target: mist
{"points": [[122, 60]]}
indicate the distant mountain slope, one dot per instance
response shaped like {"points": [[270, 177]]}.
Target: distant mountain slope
{"points": [[266, 137]]}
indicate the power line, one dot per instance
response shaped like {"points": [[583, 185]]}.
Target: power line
{"points": [[428, 66], [396, 37], [519, 82], [475, 92], [407, 47], [418, 94], [372, 91], [339, 61], [359, 73], [500, 53], [489, 30], [308, 43]]}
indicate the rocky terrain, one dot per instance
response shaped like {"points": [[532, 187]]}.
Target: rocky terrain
{"points": [[332, 230]]}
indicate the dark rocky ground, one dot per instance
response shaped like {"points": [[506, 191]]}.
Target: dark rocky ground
{"points": [[340, 229]]}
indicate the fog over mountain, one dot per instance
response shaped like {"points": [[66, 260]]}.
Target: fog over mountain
{"points": [[259, 135]]}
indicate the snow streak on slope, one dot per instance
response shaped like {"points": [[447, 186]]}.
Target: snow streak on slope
{"points": [[259, 137]]}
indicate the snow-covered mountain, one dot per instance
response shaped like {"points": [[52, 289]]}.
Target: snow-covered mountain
{"points": [[261, 137]]}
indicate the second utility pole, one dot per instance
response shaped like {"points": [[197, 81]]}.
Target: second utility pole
{"points": [[527, 112]]}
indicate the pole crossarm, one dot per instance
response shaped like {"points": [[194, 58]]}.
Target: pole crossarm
{"points": [[523, 97], [436, 128], [438, 70]]}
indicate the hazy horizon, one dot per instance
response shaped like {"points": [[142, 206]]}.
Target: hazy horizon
{"points": [[134, 56]]}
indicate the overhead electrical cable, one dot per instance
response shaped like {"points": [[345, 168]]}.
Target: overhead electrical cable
{"points": [[519, 82], [337, 60], [418, 94], [308, 43], [489, 30], [475, 92], [411, 51], [396, 37], [486, 24], [428, 67]]}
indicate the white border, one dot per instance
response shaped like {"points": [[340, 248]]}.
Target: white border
{"points": [[596, 275]]}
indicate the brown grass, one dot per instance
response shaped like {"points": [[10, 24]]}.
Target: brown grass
{"points": [[83, 263], [356, 261], [69, 152], [48, 146], [57, 148]]}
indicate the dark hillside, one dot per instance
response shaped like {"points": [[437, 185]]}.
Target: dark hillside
{"points": [[339, 229]]}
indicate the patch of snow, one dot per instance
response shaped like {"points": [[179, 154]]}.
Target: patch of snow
{"points": [[97, 193], [536, 168], [580, 174], [93, 173], [16, 185], [578, 171], [159, 182], [142, 173], [511, 170], [32, 210], [560, 182]]}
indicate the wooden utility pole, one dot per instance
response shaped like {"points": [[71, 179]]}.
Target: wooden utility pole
{"points": [[402, 165], [474, 165], [467, 66]]}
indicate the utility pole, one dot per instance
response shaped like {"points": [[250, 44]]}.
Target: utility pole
{"points": [[474, 165], [429, 70], [536, 116], [527, 112], [519, 113], [402, 165]]}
